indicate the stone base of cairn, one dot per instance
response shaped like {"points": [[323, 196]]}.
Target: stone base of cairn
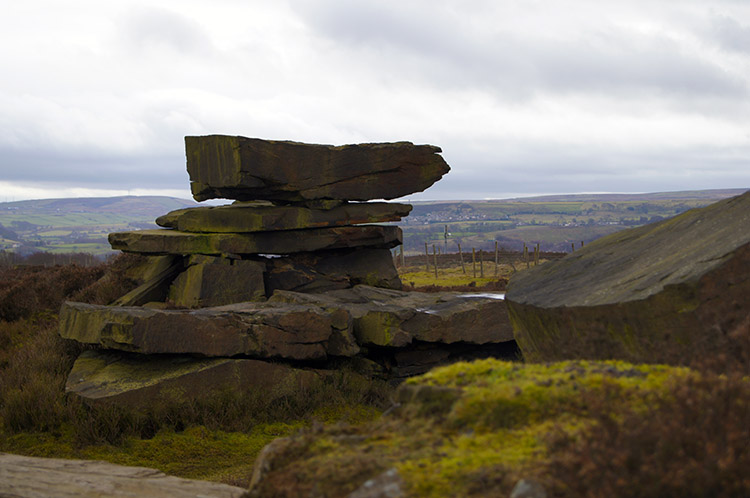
{"points": [[293, 273]]}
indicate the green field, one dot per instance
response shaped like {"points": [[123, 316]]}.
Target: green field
{"points": [[77, 225]]}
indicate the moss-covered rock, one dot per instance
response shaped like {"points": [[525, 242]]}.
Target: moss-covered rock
{"points": [[258, 330], [469, 429], [167, 241], [136, 380], [243, 217]]}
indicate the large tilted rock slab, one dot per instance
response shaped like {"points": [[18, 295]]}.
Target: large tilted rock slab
{"points": [[248, 217], [670, 291], [302, 332], [242, 168], [384, 317], [167, 241], [140, 380], [47, 477]]}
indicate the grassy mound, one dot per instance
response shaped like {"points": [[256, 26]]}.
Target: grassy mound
{"points": [[579, 428]]}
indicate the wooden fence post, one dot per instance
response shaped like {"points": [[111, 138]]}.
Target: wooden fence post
{"points": [[434, 255], [496, 258], [474, 261], [461, 257], [526, 255], [427, 256]]}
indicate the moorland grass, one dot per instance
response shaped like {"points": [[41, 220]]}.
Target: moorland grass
{"points": [[214, 437]]}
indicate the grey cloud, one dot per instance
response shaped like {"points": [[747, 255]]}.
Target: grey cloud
{"points": [[434, 46], [565, 169], [147, 28], [92, 170], [731, 34]]}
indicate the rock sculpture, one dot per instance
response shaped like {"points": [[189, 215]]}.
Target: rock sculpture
{"points": [[294, 271]]}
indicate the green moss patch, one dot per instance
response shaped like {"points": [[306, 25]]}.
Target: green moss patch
{"points": [[468, 429]]}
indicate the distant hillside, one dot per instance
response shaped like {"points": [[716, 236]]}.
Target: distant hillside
{"points": [[78, 224], [149, 206], [555, 222]]}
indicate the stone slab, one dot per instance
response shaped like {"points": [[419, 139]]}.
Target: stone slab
{"points": [[156, 275], [138, 380], [330, 270], [243, 168], [249, 217], [392, 318], [47, 477], [668, 291], [215, 281], [166, 241], [303, 332]]}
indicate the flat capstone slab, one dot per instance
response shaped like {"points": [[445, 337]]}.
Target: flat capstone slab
{"points": [[166, 241], [242, 168]]}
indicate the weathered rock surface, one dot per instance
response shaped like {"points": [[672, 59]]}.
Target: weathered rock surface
{"points": [[683, 281], [138, 380], [48, 477], [242, 168], [330, 270], [155, 275], [250, 217], [167, 241], [213, 281], [300, 332], [384, 317]]}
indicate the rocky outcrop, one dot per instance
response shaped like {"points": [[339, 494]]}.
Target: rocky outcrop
{"points": [[669, 291], [242, 168], [32, 476], [287, 276], [242, 217]]}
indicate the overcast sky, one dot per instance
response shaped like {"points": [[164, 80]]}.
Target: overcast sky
{"points": [[523, 96]]}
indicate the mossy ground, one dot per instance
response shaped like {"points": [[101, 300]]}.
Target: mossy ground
{"points": [[473, 429], [196, 452], [581, 428]]}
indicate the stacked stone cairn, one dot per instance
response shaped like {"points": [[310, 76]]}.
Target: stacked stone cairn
{"points": [[289, 282]]}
